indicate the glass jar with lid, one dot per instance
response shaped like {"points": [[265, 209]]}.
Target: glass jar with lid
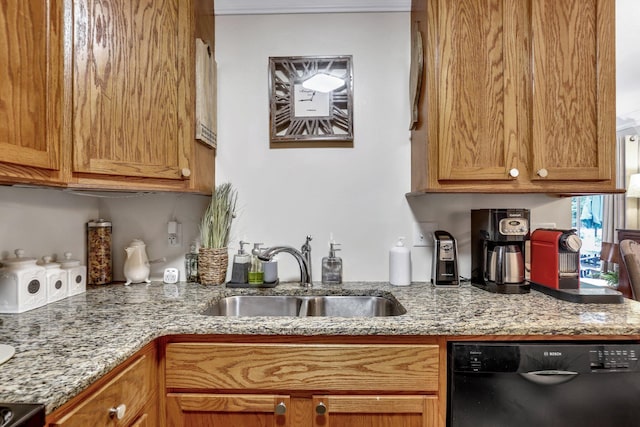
{"points": [[99, 252]]}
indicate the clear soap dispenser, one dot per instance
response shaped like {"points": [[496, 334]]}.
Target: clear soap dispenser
{"points": [[332, 266], [191, 263], [240, 268], [256, 271]]}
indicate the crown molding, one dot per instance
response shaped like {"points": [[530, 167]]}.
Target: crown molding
{"points": [[263, 7]]}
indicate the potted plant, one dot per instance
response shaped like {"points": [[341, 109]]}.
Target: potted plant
{"points": [[215, 229]]}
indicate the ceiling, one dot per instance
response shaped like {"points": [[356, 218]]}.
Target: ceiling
{"points": [[256, 7]]}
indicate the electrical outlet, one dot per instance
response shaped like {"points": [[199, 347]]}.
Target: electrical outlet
{"points": [[423, 233], [174, 234]]}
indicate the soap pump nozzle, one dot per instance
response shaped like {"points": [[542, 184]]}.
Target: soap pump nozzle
{"points": [[333, 249], [257, 250], [241, 250]]}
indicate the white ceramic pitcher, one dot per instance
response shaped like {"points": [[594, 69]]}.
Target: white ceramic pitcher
{"points": [[136, 266]]}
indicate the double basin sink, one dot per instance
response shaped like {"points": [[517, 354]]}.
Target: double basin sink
{"points": [[306, 305]]}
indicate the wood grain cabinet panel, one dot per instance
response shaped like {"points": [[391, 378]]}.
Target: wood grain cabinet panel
{"points": [[302, 367], [195, 409], [517, 96], [375, 411], [101, 94], [129, 65], [302, 385], [30, 89], [132, 387]]}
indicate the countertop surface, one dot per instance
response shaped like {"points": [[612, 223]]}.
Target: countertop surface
{"points": [[65, 346]]}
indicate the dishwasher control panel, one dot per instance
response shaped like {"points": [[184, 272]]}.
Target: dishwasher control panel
{"points": [[526, 357], [612, 357]]}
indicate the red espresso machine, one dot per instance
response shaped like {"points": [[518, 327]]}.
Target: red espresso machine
{"points": [[555, 268]]}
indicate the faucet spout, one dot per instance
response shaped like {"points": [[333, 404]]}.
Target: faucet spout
{"points": [[305, 270]]}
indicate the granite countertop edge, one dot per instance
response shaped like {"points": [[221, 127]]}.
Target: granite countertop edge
{"points": [[65, 346]]}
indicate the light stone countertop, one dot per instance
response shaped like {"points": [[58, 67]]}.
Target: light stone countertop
{"points": [[65, 346]]}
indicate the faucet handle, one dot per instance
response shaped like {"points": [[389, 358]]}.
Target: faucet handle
{"points": [[307, 247]]}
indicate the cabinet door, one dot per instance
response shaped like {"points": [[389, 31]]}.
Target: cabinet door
{"points": [[30, 85], [129, 390], [230, 410], [573, 89], [129, 87], [375, 411], [474, 98]]}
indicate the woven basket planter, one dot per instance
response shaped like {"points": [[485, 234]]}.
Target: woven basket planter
{"points": [[212, 265]]}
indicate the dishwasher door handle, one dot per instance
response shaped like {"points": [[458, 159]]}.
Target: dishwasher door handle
{"points": [[549, 376]]}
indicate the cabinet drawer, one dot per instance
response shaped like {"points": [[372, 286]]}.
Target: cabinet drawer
{"points": [[331, 367], [132, 387]]}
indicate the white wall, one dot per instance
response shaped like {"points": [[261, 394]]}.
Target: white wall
{"points": [[358, 193], [628, 60], [43, 222], [146, 217], [51, 222]]}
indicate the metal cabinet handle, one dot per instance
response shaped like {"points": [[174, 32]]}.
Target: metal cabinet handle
{"points": [[281, 409], [543, 173], [118, 412], [321, 408], [513, 173]]}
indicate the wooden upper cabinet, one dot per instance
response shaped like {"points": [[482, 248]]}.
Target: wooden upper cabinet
{"points": [[474, 91], [517, 96], [574, 89], [101, 94], [129, 81], [30, 89]]}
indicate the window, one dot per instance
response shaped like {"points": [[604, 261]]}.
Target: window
{"points": [[586, 218]]}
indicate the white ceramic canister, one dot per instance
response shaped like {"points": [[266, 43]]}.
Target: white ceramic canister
{"points": [[57, 279], [76, 274], [22, 284]]}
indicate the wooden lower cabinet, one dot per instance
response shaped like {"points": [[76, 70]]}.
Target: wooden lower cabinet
{"points": [[375, 411], [301, 385], [125, 397], [200, 409]]}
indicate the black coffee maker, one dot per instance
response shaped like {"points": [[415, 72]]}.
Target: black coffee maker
{"points": [[498, 238]]}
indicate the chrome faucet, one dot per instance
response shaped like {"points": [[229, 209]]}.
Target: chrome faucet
{"points": [[303, 257]]}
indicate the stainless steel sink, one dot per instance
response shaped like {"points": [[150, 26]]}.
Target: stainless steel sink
{"points": [[354, 306], [302, 306]]}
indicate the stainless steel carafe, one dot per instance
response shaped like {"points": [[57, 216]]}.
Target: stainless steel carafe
{"points": [[506, 265]]}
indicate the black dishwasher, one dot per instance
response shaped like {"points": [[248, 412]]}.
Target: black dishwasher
{"points": [[589, 384]]}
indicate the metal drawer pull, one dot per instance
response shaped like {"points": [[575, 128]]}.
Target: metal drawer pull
{"points": [[321, 409], [281, 409], [118, 412]]}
